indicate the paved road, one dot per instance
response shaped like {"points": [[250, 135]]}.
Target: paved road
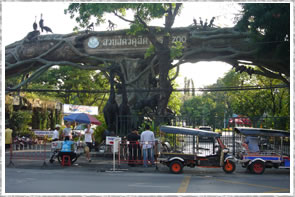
{"points": [[94, 178]]}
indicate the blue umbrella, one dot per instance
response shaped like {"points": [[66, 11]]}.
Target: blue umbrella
{"points": [[82, 118]]}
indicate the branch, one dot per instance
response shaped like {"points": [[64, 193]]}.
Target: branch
{"points": [[150, 35], [124, 19], [178, 5], [51, 49], [270, 74], [144, 71], [35, 75], [176, 74], [77, 52], [123, 71]]}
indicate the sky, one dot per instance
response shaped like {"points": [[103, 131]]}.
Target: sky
{"points": [[18, 19]]}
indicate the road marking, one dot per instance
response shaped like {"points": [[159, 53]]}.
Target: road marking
{"points": [[278, 191], [254, 185], [147, 185], [184, 184]]}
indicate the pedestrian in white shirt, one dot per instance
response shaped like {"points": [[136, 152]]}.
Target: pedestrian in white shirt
{"points": [[89, 140], [67, 132], [55, 136], [147, 140]]}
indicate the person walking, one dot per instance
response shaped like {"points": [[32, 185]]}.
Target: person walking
{"points": [[89, 140], [67, 132], [133, 147], [147, 139], [55, 136]]}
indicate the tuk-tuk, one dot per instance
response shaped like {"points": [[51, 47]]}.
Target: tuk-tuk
{"points": [[189, 149], [270, 149]]}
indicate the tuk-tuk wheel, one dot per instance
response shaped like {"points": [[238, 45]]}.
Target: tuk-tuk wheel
{"points": [[176, 167], [257, 167], [229, 166]]}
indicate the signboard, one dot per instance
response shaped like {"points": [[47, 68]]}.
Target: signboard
{"points": [[72, 109], [127, 41], [122, 43], [110, 140], [113, 141], [43, 133]]}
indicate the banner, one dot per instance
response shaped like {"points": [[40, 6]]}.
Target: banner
{"points": [[43, 133], [72, 109]]}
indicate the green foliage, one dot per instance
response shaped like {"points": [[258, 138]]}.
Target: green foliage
{"points": [[146, 11], [99, 130], [269, 19], [142, 126], [270, 24], [174, 102], [176, 50], [149, 52], [199, 108], [66, 78], [213, 107], [19, 122]]}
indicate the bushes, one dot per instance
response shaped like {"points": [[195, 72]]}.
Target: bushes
{"points": [[19, 122]]}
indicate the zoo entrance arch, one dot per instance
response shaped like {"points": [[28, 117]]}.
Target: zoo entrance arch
{"points": [[117, 53]]}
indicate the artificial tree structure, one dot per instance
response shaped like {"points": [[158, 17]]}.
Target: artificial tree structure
{"points": [[138, 60]]}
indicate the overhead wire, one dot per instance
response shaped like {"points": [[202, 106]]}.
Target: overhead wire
{"points": [[215, 89]]}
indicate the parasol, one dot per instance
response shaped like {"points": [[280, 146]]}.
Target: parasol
{"points": [[82, 118]]}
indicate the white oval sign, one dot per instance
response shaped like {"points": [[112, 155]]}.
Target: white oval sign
{"points": [[93, 42]]}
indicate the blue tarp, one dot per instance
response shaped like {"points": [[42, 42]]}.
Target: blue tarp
{"points": [[188, 131], [262, 132]]}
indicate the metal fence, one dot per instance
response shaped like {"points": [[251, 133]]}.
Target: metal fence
{"points": [[28, 151], [124, 124], [131, 152]]}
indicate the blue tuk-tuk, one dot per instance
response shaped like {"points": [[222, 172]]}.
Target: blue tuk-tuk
{"points": [[270, 152], [193, 147]]}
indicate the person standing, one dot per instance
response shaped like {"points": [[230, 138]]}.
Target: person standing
{"points": [[67, 132], [8, 138], [147, 139], [89, 140], [55, 136], [133, 146]]}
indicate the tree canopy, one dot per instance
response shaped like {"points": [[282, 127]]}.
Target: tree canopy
{"points": [[269, 24], [213, 107]]}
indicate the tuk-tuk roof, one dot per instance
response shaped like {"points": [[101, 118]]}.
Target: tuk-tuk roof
{"points": [[188, 131], [261, 132]]}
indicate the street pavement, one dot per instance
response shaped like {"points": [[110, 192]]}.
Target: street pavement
{"points": [[28, 176]]}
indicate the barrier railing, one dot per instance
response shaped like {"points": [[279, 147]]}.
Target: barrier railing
{"points": [[132, 152], [35, 151]]}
